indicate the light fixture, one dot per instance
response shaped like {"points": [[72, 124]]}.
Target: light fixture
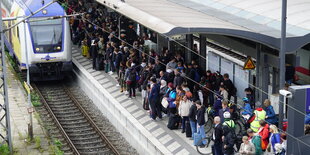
{"points": [[44, 12], [37, 49]]}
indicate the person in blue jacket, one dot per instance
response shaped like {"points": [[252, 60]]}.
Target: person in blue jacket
{"points": [[171, 96], [270, 114], [274, 138], [217, 106], [247, 107]]}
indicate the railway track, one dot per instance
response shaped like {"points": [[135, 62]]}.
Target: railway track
{"points": [[77, 128]]}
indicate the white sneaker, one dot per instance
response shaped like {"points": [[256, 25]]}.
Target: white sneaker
{"points": [[117, 85], [126, 92]]}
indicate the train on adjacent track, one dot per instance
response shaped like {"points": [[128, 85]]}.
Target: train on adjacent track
{"points": [[44, 39]]}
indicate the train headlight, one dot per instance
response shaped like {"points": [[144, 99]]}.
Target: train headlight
{"points": [[37, 49], [58, 48], [44, 12]]}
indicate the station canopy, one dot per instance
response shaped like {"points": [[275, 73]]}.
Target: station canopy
{"points": [[256, 20]]}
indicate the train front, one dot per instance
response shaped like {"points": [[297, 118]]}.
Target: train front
{"points": [[51, 45]]}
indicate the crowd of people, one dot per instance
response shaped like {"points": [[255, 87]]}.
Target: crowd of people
{"points": [[172, 88]]}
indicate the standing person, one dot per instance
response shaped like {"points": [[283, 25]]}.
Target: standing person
{"points": [[260, 114], [107, 61], [223, 110], [192, 118], [274, 139], [184, 107], [250, 95], [171, 96], [256, 141], [217, 137], [94, 52], [162, 92], [131, 80], [264, 133], [231, 89], [201, 121], [228, 140], [218, 104], [154, 100], [224, 93], [246, 147], [270, 114], [118, 60], [178, 79]]}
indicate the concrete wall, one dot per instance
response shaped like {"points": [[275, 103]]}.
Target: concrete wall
{"points": [[141, 139]]}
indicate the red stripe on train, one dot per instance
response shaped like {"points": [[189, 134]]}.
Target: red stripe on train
{"points": [[303, 70]]}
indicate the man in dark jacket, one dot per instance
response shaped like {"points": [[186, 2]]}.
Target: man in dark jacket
{"points": [[118, 59], [229, 140], [190, 73], [192, 118], [178, 80], [94, 51], [231, 89], [201, 120], [154, 100], [217, 137]]}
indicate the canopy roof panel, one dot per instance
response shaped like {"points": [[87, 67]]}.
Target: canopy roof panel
{"points": [[239, 18]]}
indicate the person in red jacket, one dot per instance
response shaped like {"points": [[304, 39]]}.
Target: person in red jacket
{"points": [[264, 133]]}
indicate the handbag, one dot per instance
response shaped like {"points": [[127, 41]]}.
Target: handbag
{"points": [[164, 103]]}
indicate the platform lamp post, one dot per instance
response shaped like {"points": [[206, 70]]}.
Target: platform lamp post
{"points": [[30, 108], [282, 60]]}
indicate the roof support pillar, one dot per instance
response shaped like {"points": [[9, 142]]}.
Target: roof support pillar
{"points": [[190, 44], [203, 51], [257, 77]]}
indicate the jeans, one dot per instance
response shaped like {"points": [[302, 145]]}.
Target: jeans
{"points": [[193, 127], [201, 130], [184, 119]]}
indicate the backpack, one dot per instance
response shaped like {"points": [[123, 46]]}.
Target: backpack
{"points": [[132, 75]]}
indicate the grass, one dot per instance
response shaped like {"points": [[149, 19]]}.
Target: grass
{"points": [[35, 99], [56, 148], [4, 149]]}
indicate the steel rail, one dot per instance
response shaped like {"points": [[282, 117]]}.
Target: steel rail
{"points": [[93, 124], [65, 135]]}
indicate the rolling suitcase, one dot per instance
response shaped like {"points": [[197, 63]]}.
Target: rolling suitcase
{"points": [[188, 129]]}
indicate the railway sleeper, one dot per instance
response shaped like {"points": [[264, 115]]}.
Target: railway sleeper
{"points": [[74, 123], [84, 138], [64, 108], [63, 102], [82, 133], [78, 129], [99, 152], [66, 112], [92, 148], [62, 105], [71, 118], [57, 99], [98, 141]]}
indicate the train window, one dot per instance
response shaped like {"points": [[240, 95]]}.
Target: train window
{"points": [[46, 35]]}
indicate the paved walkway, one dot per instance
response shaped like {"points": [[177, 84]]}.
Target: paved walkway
{"points": [[174, 140], [20, 119]]}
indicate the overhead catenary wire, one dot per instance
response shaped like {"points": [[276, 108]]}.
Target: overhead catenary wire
{"points": [[213, 92]]}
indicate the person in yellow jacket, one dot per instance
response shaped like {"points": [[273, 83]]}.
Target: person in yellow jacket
{"points": [[260, 114], [85, 48]]}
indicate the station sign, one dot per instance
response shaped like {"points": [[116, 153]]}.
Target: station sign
{"points": [[249, 64]]}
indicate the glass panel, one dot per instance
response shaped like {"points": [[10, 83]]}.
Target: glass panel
{"points": [[46, 35]]}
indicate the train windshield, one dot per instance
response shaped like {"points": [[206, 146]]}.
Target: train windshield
{"points": [[46, 35]]}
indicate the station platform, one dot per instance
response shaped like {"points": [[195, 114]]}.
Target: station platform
{"points": [[127, 115]]}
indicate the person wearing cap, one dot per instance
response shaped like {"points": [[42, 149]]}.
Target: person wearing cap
{"points": [[228, 121], [185, 105], [247, 110]]}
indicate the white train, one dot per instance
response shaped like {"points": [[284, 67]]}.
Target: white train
{"points": [[47, 41]]}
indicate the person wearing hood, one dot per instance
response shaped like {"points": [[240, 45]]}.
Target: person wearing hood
{"points": [[228, 140], [260, 114], [247, 110]]}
